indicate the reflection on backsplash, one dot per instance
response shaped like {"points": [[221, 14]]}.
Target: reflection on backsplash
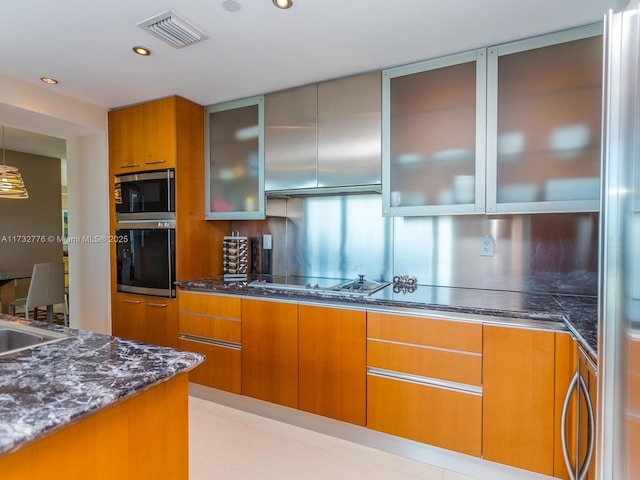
{"points": [[342, 236]]}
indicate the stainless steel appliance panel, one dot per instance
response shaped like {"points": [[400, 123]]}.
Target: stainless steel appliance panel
{"points": [[290, 144], [145, 258], [345, 235], [550, 253], [145, 195], [349, 131], [618, 412], [338, 237]]}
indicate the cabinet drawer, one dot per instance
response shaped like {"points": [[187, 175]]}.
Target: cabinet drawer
{"points": [[210, 327], [437, 416], [452, 335], [221, 368], [208, 304], [453, 366]]}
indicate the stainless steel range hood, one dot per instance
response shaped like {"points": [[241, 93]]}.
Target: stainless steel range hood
{"points": [[323, 191]]}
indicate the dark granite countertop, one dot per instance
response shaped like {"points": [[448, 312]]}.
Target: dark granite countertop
{"points": [[578, 313], [52, 385]]}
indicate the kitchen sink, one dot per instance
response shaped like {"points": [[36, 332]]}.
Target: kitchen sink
{"points": [[15, 337]]}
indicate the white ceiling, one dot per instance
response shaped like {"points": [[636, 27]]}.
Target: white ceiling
{"points": [[86, 44]]}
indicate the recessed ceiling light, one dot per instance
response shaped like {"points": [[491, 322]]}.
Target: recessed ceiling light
{"points": [[145, 52], [283, 4], [231, 5], [50, 81]]}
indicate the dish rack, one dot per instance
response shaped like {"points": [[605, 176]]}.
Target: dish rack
{"points": [[235, 256]]}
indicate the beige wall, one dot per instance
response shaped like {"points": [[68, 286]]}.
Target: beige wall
{"points": [[31, 229], [83, 126]]}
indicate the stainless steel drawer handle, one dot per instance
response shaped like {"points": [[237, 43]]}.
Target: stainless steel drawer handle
{"points": [[149, 304], [584, 469], [153, 162], [130, 165], [126, 300], [563, 426]]}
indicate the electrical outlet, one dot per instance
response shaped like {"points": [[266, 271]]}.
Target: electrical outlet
{"points": [[486, 246]]}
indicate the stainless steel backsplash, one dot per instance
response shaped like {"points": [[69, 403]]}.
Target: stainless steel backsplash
{"points": [[343, 236]]}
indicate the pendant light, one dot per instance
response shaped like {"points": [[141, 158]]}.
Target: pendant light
{"points": [[11, 183]]}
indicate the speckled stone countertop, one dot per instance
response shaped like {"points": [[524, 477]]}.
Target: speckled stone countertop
{"points": [[52, 385], [578, 313]]}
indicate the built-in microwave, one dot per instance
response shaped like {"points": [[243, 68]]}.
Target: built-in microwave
{"points": [[145, 257], [148, 195]]}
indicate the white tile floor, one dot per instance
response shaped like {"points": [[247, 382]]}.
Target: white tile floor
{"points": [[230, 444]]}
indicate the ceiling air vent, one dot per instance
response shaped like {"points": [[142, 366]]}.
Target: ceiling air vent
{"points": [[172, 29]]}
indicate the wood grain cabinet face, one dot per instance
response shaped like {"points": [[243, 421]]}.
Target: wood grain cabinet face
{"points": [[146, 319], [211, 325], [632, 400], [143, 136], [270, 351], [518, 397], [424, 380], [332, 346]]}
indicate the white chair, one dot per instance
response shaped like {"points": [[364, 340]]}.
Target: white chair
{"points": [[45, 290]]}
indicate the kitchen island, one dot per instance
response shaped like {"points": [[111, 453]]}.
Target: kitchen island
{"points": [[94, 406]]}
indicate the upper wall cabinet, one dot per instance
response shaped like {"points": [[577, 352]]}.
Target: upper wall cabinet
{"points": [[143, 136], [544, 123], [323, 135], [433, 136], [234, 160], [511, 129]]}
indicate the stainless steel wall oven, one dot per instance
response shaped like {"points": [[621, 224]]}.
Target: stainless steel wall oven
{"points": [[145, 259]]}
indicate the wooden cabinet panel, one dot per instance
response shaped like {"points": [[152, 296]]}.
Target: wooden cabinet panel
{"points": [[588, 371], [145, 319], [332, 352], [452, 366], [518, 390], [437, 416], [227, 330], [209, 304], [453, 335], [632, 401], [221, 368], [145, 436], [212, 319], [143, 136], [566, 364], [270, 351]]}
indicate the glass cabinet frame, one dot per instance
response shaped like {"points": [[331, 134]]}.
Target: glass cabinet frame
{"points": [[478, 206], [255, 206], [493, 206]]}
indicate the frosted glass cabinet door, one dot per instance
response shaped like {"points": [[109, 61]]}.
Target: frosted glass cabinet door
{"points": [[544, 123], [433, 136], [234, 160]]}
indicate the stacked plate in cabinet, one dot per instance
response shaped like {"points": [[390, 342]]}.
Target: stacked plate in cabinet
{"points": [[235, 256]]}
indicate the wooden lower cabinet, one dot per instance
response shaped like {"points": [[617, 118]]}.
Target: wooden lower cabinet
{"points": [[424, 380], [212, 325], [632, 401], [221, 368], [270, 351], [145, 319], [332, 362], [518, 397], [566, 364], [428, 414]]}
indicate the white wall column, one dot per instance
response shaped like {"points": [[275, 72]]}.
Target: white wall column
{"points": [[88, 197]]}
